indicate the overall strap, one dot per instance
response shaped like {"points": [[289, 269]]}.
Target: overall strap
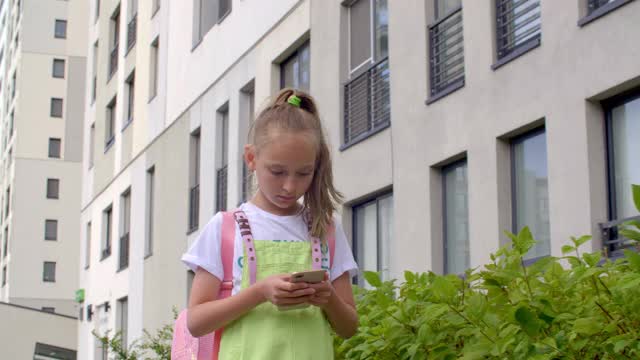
{"points": [[316, 253], [247, 243]]}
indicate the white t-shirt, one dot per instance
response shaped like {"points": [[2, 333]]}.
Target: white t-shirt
{"points": [[205, 252]]}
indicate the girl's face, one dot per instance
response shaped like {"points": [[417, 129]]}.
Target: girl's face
{"points": [[284, 167]]}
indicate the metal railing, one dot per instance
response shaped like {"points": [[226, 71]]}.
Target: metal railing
{"points": [[446, 45], [366, 102], [612, 241], [517, 23], [194, 207], [593, 5], [124, 252], [132, 31], [245, 182], [113, 61], [221, 189]]}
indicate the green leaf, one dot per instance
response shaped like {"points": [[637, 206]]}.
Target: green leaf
{"points": [[409, 276], [524, 241], [633, 258], [636, 195], [373, 278], [587, 326], [630, 234], [592, 259], [581, 240], [527, 320], [620, 345], [567, 249], [443, 288]]}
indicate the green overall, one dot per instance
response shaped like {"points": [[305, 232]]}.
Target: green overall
{"points": [[266, 333]]}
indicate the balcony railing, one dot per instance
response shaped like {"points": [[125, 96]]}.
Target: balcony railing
{"points": [[517, 24], [612, 241], [113, 61], [124, 252], [194, 207], [132, 31], [447, 53], [221, 189], [366, 103]]}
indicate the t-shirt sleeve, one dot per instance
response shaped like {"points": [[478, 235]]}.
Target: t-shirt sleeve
{"points": [[205, 252], [343, 256]]}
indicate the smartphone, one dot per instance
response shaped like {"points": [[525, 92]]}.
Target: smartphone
{"points": [[311, 276]]}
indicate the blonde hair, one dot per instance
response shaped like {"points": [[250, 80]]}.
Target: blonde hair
{"points": [[321, 198]]}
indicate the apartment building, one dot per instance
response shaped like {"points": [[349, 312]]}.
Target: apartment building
{"points": [[449, 122], [42, 86]]}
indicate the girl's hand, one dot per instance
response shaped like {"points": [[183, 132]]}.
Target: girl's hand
{"points": [[278, 290], [323, 292]]}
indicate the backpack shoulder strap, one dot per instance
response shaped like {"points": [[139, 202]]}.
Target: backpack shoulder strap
{"points": [[228, 235]]}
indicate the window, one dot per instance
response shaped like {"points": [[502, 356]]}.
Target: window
{"points": [[518, 28], [222, 161], [122, 320], [131, 96], [49, 271], [14, 84], [125, 224], [114, 41], [366, 94], [132, 26], [53, 186], [194, 180], [96, 13], [4, 275], [87, 247], [105, 249], [61, 29], [248, 96], [58, 68], [54, 148], [373, 231], [295, 72], [155, 7], [530, 194], [94, 85], [598, 8], [51, 229], [153, 69], [148, 246], [446, 49], [92, 139], [7, 202], [622, 125], [49, 309], [109, 134], [207, 13], [56, 107], [456, 217], [5, 244]]}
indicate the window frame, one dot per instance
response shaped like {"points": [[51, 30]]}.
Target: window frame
{"points": [[52, 267], [52, 153], [444, 171], [53, 71], [515, 51], [51, 182], [52, 112], [296, 57], [53, 237], [107, 232], [57, 32]]}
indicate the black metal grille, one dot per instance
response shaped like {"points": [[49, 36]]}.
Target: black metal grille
{"points": [[113, 61], [517, 23], [132, 31], [245, 182], [366, 102], [194, 207], [594, 5], [446, 45], [124, 251], [612, 241], [221, 189]]}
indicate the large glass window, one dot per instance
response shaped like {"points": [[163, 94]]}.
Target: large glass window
{"points": [[531, 189], [373, 230], [456, 217], [295, 71]]}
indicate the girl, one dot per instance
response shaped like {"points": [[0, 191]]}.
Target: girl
{"points": [[290, 157]]}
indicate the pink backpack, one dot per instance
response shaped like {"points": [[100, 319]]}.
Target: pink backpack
{"points": [[186, 347]]}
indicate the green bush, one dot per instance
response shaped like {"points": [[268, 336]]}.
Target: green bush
{"points": [[579, 306]]}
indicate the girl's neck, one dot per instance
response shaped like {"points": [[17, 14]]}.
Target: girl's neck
{"points": [[263, 203]]}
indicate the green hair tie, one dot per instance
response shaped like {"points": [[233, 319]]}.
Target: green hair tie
{"points": [[294, 100]]}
